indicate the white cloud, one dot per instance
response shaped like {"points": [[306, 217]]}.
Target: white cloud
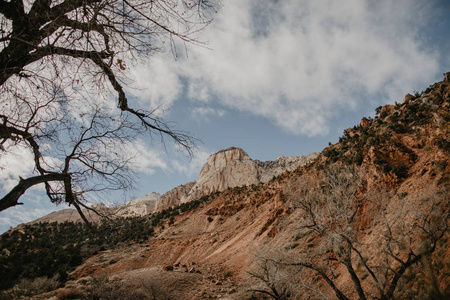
{"points": [[300, 63], [14, 164], [206, 113], [146, 160], [193, 166], [156, 85]]}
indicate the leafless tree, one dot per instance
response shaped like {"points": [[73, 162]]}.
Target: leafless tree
{"points": [[61, 61], [335, 213], [277, 279]]}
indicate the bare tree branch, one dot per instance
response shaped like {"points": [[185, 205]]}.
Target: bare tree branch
{"points": [[46, 107]]}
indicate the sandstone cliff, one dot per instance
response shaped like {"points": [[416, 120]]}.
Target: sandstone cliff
{"points": [[139, 206], [227, 168], [233, 167], [174, 197], [270, 169]]}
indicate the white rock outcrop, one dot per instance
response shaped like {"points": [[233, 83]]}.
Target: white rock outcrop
{"points": [[138, 207], [174, 197], [267, 170], [233, 167], [225, 169]]}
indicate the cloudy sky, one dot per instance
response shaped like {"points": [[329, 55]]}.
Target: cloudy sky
{"points": [[277, 78]]}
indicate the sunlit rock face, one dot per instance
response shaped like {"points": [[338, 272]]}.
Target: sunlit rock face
{"points": [[174, 197], [227, 168], [233, 167], [138, 207], [270, 169]]}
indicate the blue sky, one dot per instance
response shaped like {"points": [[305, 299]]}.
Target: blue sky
{"points": [[276, 78]]}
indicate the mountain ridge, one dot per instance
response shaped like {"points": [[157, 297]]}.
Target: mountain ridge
{"points": [[217, 174]]}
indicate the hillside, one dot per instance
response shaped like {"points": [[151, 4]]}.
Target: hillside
{"points": [[367, 218]]}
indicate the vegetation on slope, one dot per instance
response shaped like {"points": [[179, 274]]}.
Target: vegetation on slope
{"points": [[53, 249], [371, 221], [397, 133]]}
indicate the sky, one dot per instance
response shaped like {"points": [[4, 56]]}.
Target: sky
{"points": [[274, 78]]}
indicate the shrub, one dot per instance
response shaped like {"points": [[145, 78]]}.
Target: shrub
{"points": [[443, 144], [331, 153], [401, 171]]}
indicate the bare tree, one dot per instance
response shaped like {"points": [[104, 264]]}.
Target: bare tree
{"points": [[335, 213], [61, 61], [277, 279]]}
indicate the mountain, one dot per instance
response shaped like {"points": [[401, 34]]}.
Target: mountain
{"points": [[367, 218], [225, 169], [234, 168]]}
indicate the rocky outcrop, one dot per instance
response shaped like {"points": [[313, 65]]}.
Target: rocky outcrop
{"points": [[267, 170], [138, 207], [174, 197], [227, 168], [233, 167]]}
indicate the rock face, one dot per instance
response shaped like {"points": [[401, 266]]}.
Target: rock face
{"points": [[174, 197], [227, 168], [138, 207], [233, 167], [269, 169]]}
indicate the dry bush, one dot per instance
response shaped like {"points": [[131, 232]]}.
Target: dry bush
{"points": [[31, 287], [103, 288]]}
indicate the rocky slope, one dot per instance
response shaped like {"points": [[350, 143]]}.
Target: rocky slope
{"points": [[137, 207], [400, 212]]}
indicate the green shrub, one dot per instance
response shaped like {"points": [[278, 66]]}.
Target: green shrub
{"points": [[331, 153]]}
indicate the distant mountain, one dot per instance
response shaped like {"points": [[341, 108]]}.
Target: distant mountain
{"points": [[225, 169]]}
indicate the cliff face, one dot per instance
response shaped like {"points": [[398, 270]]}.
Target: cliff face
{"points": [[227, 168], [174, 197], [234, 168], [139, 206], [270, 169]]}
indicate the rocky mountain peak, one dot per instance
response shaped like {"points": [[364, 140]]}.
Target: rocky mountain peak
{"points": [[230, 168], [233, 167], [227, 168], [220, 159]]}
